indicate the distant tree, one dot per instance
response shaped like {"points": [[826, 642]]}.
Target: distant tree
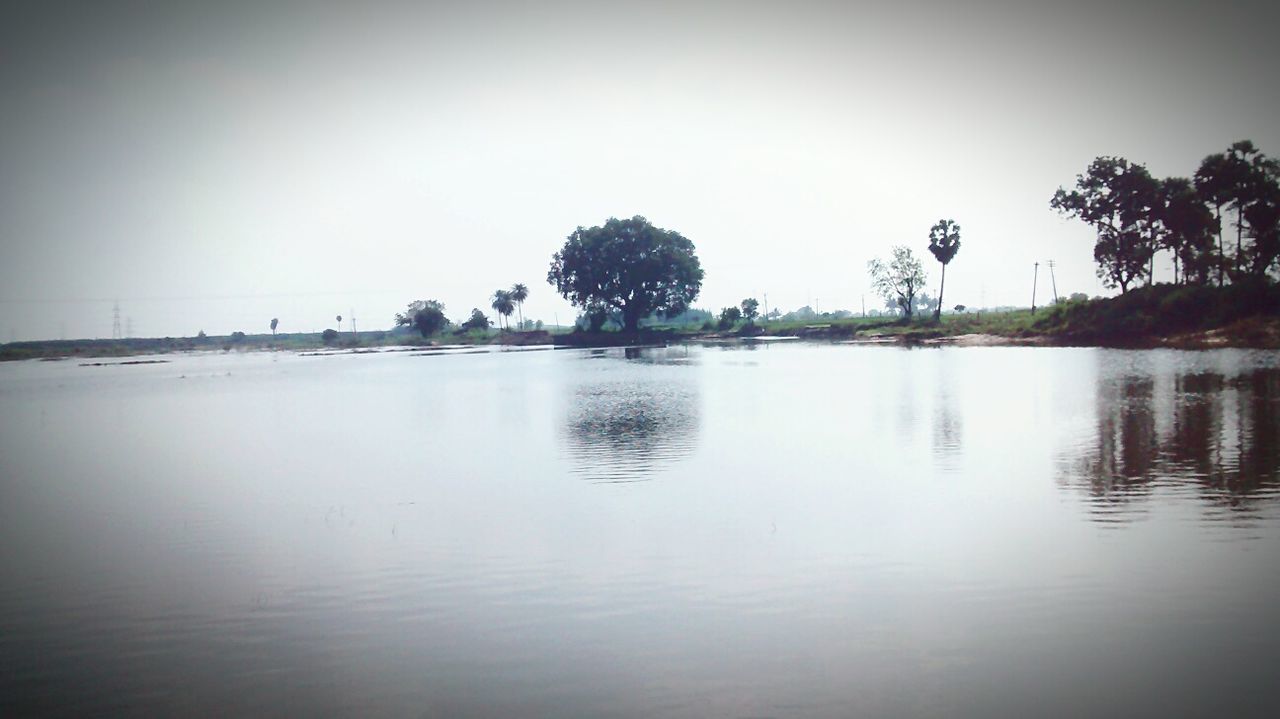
{"points": [[430, 318], [519, 293], [1119, 199], [629, 265], [750, 310], [1190, 227], [503, 305], [339, 319], [1231, 179], [729, 316], [1078, 297], [1263, 217], [959, 308], [274, 323], [405, 319], [944, 243], [899, 280], [477, 321], [329, 336], [237, 338]]}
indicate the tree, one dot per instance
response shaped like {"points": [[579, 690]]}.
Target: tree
{"points": [[274, 323], [329, 336], [750, 310], [1263, 216], [729, 316], [430, 318], [628, 265], [1119, 200], [944, 243], [519, 293], [477, 321], [899, 280], [339, 319], [405, 319], [503, 305], [1234, 179], [1189, 229]]}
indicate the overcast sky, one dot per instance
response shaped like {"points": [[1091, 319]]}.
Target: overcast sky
{"points": [[214, 165]]}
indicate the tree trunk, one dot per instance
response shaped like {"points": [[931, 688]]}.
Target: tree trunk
{"points": [[937, 311], [1239, 234], [1217, 215]]}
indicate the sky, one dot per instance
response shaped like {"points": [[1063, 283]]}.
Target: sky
{"points": [[213, 165]]}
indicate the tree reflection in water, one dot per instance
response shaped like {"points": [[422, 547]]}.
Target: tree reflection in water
{"points": [[1211, 436], [628, 429]]}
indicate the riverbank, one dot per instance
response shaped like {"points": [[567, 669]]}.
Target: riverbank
{"points": [[1243, 315]]}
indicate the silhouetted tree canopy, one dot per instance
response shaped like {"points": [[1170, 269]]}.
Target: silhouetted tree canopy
{"points": [[477, 320], [729, 316], [628, 265], [944, 243], [1121, 201], [503, 304], [899, 280], [430, 318], [519, 293], [750, 309]]}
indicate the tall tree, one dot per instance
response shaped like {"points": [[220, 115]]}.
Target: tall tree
{"points": [[275, 322], [899, 280], [628, 265], [750, 310], [1119, 200], [520, 293], [1190, 227], [503, 305], [944, 243], [1232, 180], [339, 319], [1263, 217]]}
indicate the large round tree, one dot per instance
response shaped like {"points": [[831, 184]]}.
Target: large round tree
{"points": [[628, 265]]}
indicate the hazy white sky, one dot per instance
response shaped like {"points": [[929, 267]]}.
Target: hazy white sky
{"points": [[214, 165]]}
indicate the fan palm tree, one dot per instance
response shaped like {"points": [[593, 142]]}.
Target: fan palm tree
{"points": [[520, 293], [944, 243], [339, 319], [275, 322], [503, 305]]}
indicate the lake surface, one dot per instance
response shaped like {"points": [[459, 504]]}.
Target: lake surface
{"points": [[790, 530]]}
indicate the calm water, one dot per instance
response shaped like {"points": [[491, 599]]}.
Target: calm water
{"points": [[797, 530]]}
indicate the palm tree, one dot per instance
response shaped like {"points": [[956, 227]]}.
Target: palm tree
{"points": [[944, 243], [502, 304], [520, 293], [274, 323], [339, 318]]}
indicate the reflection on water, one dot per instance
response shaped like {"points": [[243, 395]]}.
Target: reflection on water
{"points": [[832, 531], [628, 426], [1207, 434]]}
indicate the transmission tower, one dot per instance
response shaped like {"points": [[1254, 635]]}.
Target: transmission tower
{"points": [[115, 322]]}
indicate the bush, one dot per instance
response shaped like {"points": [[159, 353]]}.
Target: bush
{"points": [[329, 336]]}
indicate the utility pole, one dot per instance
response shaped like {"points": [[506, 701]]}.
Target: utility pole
{"points": [[116, 333], [766, 307], [864, 307], [1034, 278], [1054, 280], [353, 320]]}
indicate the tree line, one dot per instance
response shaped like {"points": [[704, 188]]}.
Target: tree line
{"points": [[1136, 217]]}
